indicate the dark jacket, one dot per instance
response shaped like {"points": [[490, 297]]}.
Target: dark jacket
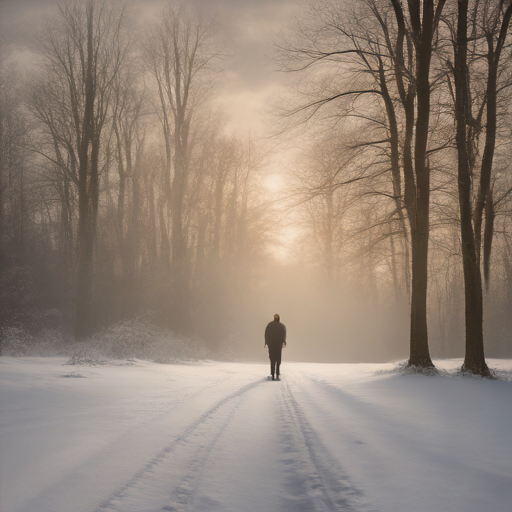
{"points": [[275, 335]]}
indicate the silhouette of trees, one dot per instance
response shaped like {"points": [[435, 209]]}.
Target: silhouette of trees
{"points": [[180, 57], [493, 20], [83, 50], [123, 191], [380, 69], [142, 200], [385, 52]]}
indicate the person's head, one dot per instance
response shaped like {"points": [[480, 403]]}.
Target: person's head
{"points": [[276, 318]]}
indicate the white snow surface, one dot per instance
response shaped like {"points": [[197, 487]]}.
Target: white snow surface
{"points": [[214, 436]]}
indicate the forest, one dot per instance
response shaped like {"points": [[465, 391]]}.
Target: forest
{"points": [[374, 212]]}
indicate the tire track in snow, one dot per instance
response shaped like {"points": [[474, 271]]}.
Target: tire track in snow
{"points": [[314, 479], [184, 492], [106, 456]]}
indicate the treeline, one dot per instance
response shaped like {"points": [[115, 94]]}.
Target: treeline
{"points": [[407, 185], [120, 191]]}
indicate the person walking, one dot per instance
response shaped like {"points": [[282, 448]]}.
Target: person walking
{"points": [[275, 340]]}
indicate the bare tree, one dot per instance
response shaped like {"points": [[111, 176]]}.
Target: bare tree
{"points": [[325, 201], [83, 50], [15, 209], [180, 57], [471, 220], [395, 50], [413, 53], [495, 26]]}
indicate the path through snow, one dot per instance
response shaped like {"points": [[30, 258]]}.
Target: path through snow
{"points": [[220, 437]]}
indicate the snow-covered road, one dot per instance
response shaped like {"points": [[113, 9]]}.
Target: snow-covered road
{"points": [[220, 437]]}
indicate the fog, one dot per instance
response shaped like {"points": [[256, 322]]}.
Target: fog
{"points": [[220, 162]]}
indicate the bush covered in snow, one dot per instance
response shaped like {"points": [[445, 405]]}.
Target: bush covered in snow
{"points": [[19, 341], [137, 338]]}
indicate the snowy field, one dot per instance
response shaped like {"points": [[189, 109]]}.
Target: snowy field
{"points": [[220, 437]]}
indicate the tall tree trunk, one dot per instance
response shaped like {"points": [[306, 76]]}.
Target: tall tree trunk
{"points": [[474, 361], [83, 318], [423, 19], [419, 352], [419, 334]]}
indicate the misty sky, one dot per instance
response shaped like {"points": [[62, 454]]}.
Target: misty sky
{"points": [[247, 27]]}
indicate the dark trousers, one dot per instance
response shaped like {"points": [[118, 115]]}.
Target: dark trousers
{"points": [[274, 355]]}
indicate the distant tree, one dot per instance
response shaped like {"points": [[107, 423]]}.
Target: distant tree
{"points": [[83, 50], [129, 133], [13, 188], [180, 57], [322, 177], [226, 212], [16, 208]]}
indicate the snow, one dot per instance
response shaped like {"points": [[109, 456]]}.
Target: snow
{"points": [[215, 436]]}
